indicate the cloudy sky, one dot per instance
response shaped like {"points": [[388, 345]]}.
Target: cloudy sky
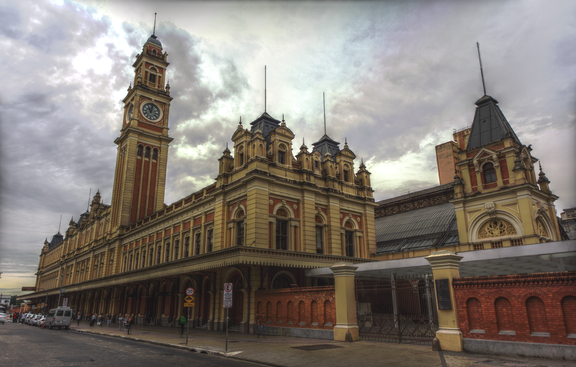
{"points": [[399, 77]]}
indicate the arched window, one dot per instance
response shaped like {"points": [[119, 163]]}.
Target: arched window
{"points": [[186, 246], [167, 258], [176, 249], [158, 254], [154, 52], [282, 154], [281, 281], [155, 154], [489, 173], [319, 235], [147, 153], [197, 242], [349, 239], [209, 239], [140, 148], [281, 230], [346, 173], [143, 258], [240, 228], [240, 156]]}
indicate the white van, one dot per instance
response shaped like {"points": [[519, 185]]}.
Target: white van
{"points": [[60, 317]]}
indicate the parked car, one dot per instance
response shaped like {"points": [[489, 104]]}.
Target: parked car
{"points": [[29, 318], [37, 319], [3, 318], [41, 321]]}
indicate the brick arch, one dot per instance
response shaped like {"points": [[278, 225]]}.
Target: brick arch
{"points": [[301, 312], [474, 312], [279, 312], [328, 319], [314, 312], [504, 314], [568, 304], [268, 311], [290, 312], [537, 319]]}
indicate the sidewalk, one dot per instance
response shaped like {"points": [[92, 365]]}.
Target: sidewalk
{"points": [[290, 351]]}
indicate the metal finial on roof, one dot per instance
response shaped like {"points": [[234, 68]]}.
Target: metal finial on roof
{"points": [[282, 117], [324, 104], [481, 71], [88, 205], [240, 120], [59, 224], [264, 88], [154, 29]]}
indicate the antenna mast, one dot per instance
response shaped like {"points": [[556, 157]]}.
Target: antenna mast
{"points": [[154, 30], [324, 104], [264, 88], [481, 71]]}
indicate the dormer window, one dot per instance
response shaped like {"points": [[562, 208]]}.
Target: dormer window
{"points": [[154, 52], [489, 173], [152, 78], [282, 154], [345, 175], [316, 164]]}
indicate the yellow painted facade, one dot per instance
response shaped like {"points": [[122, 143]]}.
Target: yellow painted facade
{"points": [[267, 213]]}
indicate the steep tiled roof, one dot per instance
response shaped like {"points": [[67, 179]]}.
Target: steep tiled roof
{"points": [[489, 124]]}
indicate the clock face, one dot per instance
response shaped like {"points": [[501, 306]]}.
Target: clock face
{"points": [[151, 111]]}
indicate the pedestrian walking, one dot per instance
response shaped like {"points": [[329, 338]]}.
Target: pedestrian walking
{"points": [[260, 323], [79, 318], [22, 319], [120, 321], [15, 317], [129, 325], [93, 319], [108, 321], [182, 323]]}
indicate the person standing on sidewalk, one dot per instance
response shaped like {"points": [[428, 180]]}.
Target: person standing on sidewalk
{"points": [[120, 320], [260, 324], [108, 321], [129, 324], [182, 323], [79, 318]]}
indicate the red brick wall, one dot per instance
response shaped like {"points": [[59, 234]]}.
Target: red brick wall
{"points": [[525, 304], [301, 306]]}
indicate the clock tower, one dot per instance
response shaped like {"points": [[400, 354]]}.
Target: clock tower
{"points": [[140, 175]]}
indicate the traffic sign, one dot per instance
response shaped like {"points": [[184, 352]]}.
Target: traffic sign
{"points": [[190, 291], [189, 304], [188, 299], [227, 295]]}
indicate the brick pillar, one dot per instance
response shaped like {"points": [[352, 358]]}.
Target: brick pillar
{"points": [[446, 266], [345, 298]]}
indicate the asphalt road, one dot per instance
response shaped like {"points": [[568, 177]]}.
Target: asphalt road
{"points": [[30, 346]]}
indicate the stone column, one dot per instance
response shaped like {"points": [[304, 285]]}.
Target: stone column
{"points": [[446, 266], [346, 328]]}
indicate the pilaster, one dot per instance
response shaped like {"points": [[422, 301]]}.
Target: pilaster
{"points": [[446, 266], [346, 328]]}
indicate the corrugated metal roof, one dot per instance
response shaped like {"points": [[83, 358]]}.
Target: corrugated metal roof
{"points": [[427, 191], [415, 223]]}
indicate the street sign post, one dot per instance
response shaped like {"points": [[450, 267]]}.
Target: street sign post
{"points": [[227, 305], [65, 302], [188, 302]]}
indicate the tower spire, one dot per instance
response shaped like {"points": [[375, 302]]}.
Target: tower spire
{"points": [[481, 71], [324, 104], [154, 29]]}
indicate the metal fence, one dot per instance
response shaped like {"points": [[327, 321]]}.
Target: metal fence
{"points": [[396, 309]]}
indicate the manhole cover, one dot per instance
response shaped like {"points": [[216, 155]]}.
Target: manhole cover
{"points": [[309, 348], [75, 359]]}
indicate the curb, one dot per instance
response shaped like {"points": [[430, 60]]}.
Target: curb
{"points": [[191, 349]]}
